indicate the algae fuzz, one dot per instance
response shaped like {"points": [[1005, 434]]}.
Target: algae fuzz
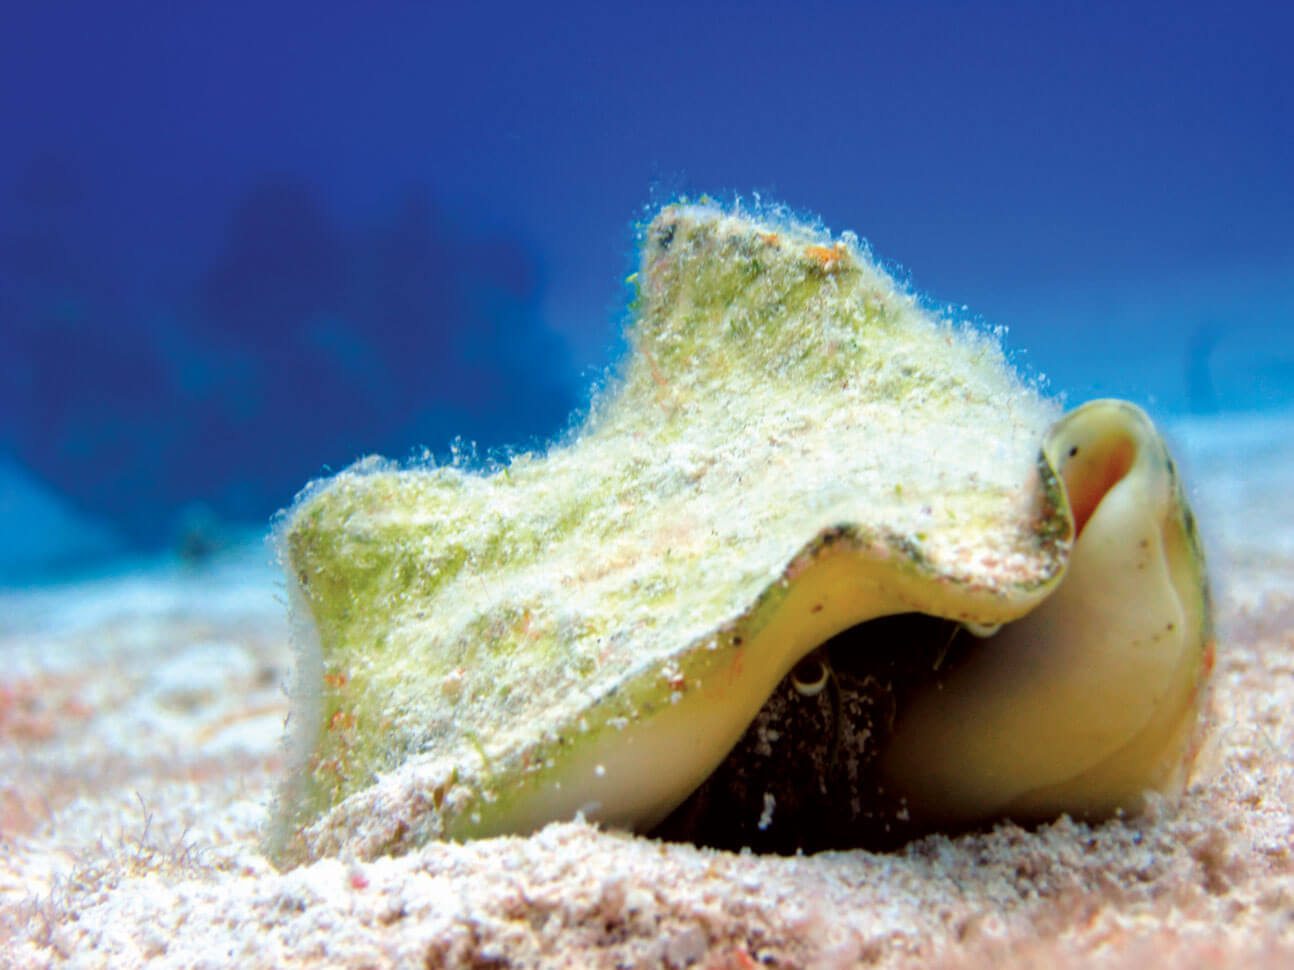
{"points": [[795, 447]]}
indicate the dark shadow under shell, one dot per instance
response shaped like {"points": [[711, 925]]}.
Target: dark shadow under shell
{"points": [[804, 776]]}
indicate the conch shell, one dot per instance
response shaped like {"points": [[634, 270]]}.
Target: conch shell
{"points": [[793, 448]]}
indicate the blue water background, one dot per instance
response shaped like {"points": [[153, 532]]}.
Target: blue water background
{"points": [[242, 244]]}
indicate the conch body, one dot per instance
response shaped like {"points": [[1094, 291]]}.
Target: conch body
{"points": [[795, 447]]}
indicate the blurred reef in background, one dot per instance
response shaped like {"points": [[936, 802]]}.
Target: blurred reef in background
{"points": [[303, 343]]}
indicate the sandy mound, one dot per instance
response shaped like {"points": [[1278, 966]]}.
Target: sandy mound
{"points": [[140, 718]]}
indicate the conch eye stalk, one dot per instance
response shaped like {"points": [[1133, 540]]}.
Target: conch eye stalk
{"points": [[800, 482]]}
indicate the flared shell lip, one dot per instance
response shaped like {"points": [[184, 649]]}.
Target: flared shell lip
{"points": [[642, 693], [488, 790]]}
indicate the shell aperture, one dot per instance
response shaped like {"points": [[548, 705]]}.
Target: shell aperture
{"points": [[1090, 701]]}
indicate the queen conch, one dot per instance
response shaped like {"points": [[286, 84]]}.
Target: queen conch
{"points": [[804, 494]]}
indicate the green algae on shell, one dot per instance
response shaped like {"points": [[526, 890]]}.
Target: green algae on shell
{"points": [[794, 447]]}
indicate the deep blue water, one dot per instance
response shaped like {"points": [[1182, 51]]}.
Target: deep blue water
{"points": [[244, 243]]}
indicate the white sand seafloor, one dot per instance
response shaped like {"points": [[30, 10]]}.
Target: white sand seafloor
{"points": [[140, 725]]}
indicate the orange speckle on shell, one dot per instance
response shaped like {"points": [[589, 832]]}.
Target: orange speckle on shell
{"points": [[827, 257]]}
